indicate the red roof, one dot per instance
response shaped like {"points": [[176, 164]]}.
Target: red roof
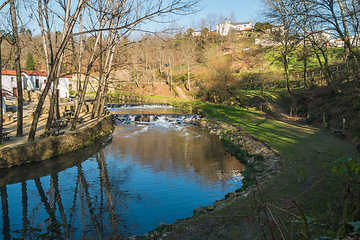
{"points": [[30, 73], [35, 73], [9, 72]]}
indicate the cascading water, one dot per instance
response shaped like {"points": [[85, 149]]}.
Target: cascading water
{"points": [[149, 172]]}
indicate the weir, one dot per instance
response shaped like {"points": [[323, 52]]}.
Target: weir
{"points": [[153, 118], [148, 172]]}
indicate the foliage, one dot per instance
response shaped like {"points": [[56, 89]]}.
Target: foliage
{"points": [[259, 26], [189, 31], [349, 168], [311, 118], [204, 31], [30, 63], [356, 226], [346, 165], [295, 61]]}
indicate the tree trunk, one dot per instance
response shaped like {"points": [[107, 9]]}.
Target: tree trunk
{"points": [[286, 70], [78, 82], [305, 63], [1, 94], [170, 72], [87, 75], [54, 96], [19, 129], [51, 74], [189, 75]]}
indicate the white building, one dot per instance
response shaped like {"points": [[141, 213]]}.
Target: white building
{"points": [[196, 33], [9, 81], [224, 28], [32, 80]]}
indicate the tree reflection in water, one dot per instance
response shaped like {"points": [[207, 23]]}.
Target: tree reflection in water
{"points": [[146, 174]]}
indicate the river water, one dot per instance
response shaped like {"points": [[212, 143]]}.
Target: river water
{"points": [[145, 173]]}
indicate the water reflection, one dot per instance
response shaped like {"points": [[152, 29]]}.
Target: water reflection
{"points": [[147, 173]]}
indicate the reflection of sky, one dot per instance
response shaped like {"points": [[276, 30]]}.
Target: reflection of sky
{"points": [[160, 173]]}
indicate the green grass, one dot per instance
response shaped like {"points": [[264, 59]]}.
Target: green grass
{"points": [[308, 154], [273, 54]]}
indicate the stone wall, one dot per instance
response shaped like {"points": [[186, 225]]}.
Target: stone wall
{"points": [[44, 149]]}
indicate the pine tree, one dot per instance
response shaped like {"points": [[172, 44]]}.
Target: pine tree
{"points": [[30, 63]]}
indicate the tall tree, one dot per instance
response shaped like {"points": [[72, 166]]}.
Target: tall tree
{"points": [[54, 66], [1, 94], [19, 128], [284, 35]]}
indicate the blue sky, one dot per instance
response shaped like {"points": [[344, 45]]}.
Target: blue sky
{"points": [[244, 10]]}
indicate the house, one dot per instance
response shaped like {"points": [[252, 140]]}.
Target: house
{"points": [[33, 80], [339, 43], [9, 81], [225, 28], [320, 37], [36, 80], [196, 34]]}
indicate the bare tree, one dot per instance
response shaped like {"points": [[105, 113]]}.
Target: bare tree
{"points": [[284, 35], [54, 66], [306, 15], [1, 96], [19, 129]]}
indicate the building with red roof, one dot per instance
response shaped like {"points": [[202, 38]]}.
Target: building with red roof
{"points": [[32, 80]]}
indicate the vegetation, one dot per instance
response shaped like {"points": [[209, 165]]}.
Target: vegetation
{"points": [[229, 75]]}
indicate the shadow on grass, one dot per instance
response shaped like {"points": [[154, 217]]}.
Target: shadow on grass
{"points": [[308, 155]]}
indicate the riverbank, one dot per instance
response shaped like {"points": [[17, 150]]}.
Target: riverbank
{"points": [[306, 188], [17, 151]]}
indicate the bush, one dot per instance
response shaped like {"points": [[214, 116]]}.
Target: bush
{"points": [[311, 118]]}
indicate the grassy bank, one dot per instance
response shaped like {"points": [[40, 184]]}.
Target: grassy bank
{"points": [[308, 155]]}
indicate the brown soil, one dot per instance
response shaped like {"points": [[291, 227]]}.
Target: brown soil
{"points": [[12, 126], [311, 104], [159, 89]]}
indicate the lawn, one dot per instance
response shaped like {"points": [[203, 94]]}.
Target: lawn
{"points": [[308, 155]]}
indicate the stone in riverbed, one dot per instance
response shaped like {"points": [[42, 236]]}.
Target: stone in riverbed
{"points": [[145, 118], [200, 210], [162, 225], [230, 195], [210, 207]]}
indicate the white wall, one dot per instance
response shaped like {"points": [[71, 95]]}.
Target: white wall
{"points": [[63, 87], [9, 84], [31, 82]]}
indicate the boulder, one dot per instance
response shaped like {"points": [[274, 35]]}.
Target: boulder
{"points": [[145, 118], [161, 225], [210, 207]]}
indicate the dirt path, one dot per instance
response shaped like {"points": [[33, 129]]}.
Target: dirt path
{"points": [[181, 93]]}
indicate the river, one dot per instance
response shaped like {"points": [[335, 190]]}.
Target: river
{"points": [[145, 173]]}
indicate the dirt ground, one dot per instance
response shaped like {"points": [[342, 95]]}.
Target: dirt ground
{"points": [[12, 126]]}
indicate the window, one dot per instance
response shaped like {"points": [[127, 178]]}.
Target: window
{"points": [[44, 81], [37, 84], [12, 79]]}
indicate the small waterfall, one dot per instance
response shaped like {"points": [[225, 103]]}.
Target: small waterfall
{"points": [[137, 106], [153, 118]]}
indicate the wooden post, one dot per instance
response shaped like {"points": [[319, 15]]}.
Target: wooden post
{"points": [[324, 121], [343, 126]]}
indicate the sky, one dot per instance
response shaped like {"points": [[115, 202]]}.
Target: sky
{"points": [[244, 10]]}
